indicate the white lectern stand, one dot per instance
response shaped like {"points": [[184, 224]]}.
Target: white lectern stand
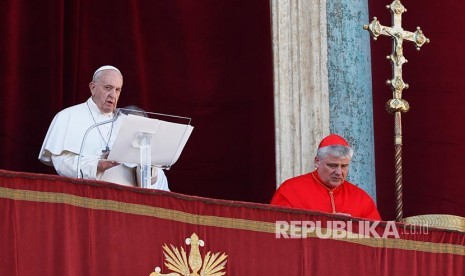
{"points": [[142, 142], [150, 142]]}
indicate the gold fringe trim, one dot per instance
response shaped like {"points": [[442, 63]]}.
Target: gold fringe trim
{"points": [[215, 221], [449, 222]]}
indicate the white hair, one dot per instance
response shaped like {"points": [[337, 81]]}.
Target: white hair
{"points": [[335, 150]]}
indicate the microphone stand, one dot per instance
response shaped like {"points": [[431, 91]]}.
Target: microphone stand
{"points": [[115, 117]]}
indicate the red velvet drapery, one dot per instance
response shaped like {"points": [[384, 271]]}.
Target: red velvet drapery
{"points": [[210, 60]]}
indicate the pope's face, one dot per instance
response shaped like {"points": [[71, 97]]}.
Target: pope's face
{"points": [[106, 90], [332, 170]]}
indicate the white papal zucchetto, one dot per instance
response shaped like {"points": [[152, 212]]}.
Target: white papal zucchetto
{"points": [[106, 67]]}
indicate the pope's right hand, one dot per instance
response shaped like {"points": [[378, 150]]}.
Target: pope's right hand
{"points": [[104, 165]]}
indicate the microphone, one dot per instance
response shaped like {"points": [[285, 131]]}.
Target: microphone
{"points": [[116, 114]]}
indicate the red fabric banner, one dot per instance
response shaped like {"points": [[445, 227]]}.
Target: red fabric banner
{"points": [[58, 226]]}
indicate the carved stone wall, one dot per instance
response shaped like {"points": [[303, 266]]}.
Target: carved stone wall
{"points": [[301, 83]]}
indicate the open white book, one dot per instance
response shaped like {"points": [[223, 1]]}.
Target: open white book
{"points": [[167, 140]]}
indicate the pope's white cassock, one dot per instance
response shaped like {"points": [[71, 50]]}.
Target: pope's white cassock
{"points": [[64, 138]]}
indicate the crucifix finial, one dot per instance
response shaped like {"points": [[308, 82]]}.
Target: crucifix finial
{"points": [[398, 35], [397, 105]]}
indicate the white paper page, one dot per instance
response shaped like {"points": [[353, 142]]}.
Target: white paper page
{"points": [[167, 142]]}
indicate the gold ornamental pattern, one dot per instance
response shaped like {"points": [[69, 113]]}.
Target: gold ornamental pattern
{"points": [[181, 265]]}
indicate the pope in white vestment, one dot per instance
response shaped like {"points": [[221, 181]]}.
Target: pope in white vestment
{"points": [[64, 139]]}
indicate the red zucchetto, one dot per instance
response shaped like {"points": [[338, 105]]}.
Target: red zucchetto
{"points": [[333, 140]]}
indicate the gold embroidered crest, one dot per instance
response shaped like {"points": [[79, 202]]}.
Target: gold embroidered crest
{"points": [[180, 265]]}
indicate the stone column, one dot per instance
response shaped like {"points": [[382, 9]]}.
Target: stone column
{"points": [[350, 96], [300, 83]]}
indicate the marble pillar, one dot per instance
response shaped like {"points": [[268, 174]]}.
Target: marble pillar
{"points": [[350, 86], [300, 83]]}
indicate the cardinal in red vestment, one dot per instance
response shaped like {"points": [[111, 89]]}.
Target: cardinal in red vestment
{"points": [[326, 189]]}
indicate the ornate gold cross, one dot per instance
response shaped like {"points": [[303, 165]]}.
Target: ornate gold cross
{"points": [[397, 105]]}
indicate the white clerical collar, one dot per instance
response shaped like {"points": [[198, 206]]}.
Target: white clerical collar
{"points": [[94, 108]]}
